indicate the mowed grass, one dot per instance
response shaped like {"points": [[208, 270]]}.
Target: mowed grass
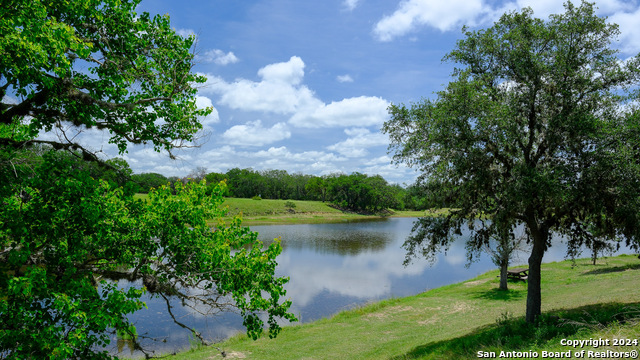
{"points": [[456, 321], [250, 207], [268, 211]]}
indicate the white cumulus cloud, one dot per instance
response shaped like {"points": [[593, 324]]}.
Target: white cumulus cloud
{"points": [[308, 162], [629, 31], [204, 102], [452, 15], [281, 91], [356, 111], [359, 141], [218, 57], [254, 134], [442, 15], [344, 78], [283, 153], [290, 72]]}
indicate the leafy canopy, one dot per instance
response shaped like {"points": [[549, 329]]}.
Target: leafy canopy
{"points": [[73, 65], [66, 238], [71, 238], [539, 126]]}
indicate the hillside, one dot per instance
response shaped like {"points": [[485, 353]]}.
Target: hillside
{"points": [[266, 211]]}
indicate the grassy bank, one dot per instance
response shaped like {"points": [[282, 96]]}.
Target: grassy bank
{"points": [[270, 212], [266, 212], [457, 321]]}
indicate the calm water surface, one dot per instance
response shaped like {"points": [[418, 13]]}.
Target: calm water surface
{"points": [[332, 267]]}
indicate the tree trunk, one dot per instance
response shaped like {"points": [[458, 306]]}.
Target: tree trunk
{"points": [[503, 275], [534, 294]]}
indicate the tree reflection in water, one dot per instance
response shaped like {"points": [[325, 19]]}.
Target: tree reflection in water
{"points": [[334, 267]]}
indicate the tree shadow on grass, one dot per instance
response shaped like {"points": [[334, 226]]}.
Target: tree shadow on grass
{"points": [[501, 295], [612, 269], [514, 334]]}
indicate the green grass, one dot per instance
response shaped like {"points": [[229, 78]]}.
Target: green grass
{"points": [[457, 321], [267, 212], [264, 207], [140, 196]]}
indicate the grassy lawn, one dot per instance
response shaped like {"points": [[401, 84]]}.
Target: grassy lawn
{"points": [[457, 321], [268, 212]]}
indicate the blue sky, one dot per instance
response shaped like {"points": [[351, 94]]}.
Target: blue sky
{"points": [[304, 85]]}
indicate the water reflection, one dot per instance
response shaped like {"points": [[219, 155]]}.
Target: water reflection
{"points": [[354, 261], [333, 267], [329, 238], [121, 344]]}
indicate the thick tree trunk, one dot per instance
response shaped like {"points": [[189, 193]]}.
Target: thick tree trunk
{"points": [[534, 295], [504, 265]]}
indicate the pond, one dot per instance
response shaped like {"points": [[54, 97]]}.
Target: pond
{"points": [[332, 267]]}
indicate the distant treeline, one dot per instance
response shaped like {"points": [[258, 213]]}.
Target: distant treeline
{"points": [[356, 192]]}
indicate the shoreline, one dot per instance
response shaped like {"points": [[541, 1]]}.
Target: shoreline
{"points": [[276, 212], [458, 320], [323, 218]]}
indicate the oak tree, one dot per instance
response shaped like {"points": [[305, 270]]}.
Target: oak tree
{"points": [[537, 127]]}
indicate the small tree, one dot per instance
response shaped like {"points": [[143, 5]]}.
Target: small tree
{"points": [[538, 127], [198, 174], [290, 205], [598, 246], [506, 244]]}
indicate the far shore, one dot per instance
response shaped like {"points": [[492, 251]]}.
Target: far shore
{"points": [[322, 218], [275, 212]]}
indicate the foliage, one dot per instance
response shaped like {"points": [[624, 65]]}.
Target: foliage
{"points": [[355, 192], [360, 192], [147, 181], [317, 188], [417, 196], [67, 244], [215, 178], [68, 233], [269, 184], [290, 205], [72, 65], [115, 171], [130, 333], [56, 308], [537, 127]]}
